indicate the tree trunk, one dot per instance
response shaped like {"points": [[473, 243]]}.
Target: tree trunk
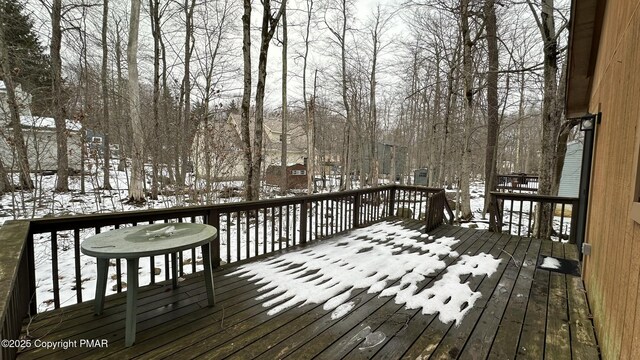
{"points": [[155, 31], [14, 113], [550, 116], [106, 183], [62, 183], [346, 185], [136, 192], [467, 65], [309, 108], [5, 184], [493, 123], [269, 25], [246, 102], [283, 158], [373, 114]]}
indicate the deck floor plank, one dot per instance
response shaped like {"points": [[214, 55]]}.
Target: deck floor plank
{"points": [[340, 339], [392, 318], [282, 341], [414, 338], [532, 337], [505, 344], [524, 312], [583, 341], [479, 324], [557, 343]]}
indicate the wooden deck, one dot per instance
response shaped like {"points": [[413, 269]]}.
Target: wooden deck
{"points": [[524, 312]]}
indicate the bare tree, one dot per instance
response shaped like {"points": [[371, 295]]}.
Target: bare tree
{"points": [[136, 193], [340, 33], [246, 102], [308, 106], [283, 159], [62, 183], [14, 113], [493, 121], [106, 182]]}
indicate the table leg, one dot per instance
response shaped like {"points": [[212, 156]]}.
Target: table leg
{"points": [[174, 270], [208, 274], [101, 285], [132, 296]]}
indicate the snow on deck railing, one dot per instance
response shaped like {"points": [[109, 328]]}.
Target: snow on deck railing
{"points": [[59, 275]]}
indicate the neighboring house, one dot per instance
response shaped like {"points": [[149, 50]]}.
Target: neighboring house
{"points": [[23, 99], [221, 142], [570, 177], [603, 77], [217, 146], [39, 136], [296, 176]]}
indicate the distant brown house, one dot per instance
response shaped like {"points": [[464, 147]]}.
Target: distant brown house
{"points": [[296, 176], [604, 77]]}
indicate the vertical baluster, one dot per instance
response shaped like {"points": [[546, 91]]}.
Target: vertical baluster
{"points": [[255, 232], [551, 216], [560, 233], [54, 269], [288, 224], [539, 218], [340, 211], [273, 229], [33, 305], [238, 229], [279, 227], [248, 232], [322, 217], [264, 230], [511, 216], [529, 228], [76, 252], [295, 223], [228, 230], [520, 217]]}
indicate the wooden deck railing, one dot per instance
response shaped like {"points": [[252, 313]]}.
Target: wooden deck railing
{"points": [[518, 182], [36, 249], [538, 216]]}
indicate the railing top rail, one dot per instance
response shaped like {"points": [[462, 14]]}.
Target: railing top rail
{"points": [[92, 220], [518, 176], [534, 197]]}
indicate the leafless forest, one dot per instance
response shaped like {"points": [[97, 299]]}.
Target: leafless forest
{"points": [[196, 96]]}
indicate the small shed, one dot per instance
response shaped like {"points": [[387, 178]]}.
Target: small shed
{"points": [[570, 177], [421, 177], [296, 176]]}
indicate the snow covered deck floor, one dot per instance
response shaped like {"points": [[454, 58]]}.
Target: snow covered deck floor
{"points": [[517, 311]]}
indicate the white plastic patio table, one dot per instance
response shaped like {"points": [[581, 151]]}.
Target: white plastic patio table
{"points": [[132, 243]]}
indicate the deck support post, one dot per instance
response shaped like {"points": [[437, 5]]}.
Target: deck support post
{"points": [[356, 210], [392, 200]]}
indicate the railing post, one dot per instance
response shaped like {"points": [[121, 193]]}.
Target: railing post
{"points": [[492, 213], [31, 264], [213, 219], [392, 200], [575, 215], [356, 210], [303, 221]]}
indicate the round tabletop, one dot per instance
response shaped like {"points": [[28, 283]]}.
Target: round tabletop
{"points": [[148, 240]]}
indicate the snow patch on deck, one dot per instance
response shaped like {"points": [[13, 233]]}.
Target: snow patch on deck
{"points": [[550, 263], [373, 258]]}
